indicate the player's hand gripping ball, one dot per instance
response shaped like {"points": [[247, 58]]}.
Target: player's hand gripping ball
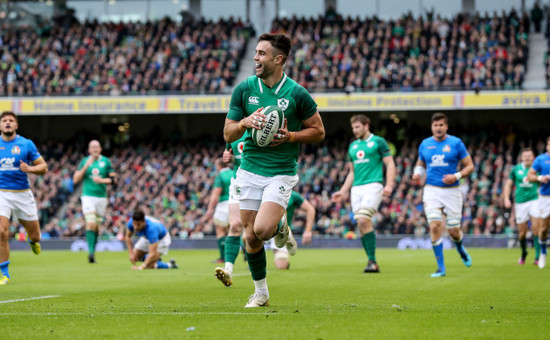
{"points": [[274, 120]]}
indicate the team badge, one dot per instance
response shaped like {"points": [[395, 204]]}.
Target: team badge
{"points": [[446, 148], [15, 150], [101, 164], [360, 154], [520, 172], [370, 144], [282, 103], [281, 189]]}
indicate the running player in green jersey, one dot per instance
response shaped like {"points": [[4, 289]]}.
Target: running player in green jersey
{"points": [[96, 172], [267, 175], [233, 151], [526, 207], [218, 205], [281, 255], [368, 155]]}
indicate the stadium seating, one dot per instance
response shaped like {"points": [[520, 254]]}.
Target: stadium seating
{"points": [[119, 59], [466, 52]]}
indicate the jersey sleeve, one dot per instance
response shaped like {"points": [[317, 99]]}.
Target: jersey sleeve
{"points": [[462, 152], [421, 153], [82, 162], [218, 182], [305, 105], [153, 233], [536, 165], [130, 225], [110, 166], [383, 148], [236, 106], [33, 152]]}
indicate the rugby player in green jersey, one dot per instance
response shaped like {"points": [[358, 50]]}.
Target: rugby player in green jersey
{"points": [[267, 175], [368, 155], [526, 207], [96, 172]]}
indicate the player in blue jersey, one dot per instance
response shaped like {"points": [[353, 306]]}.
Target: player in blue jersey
{"points": [[154, 241], [540, 172], [438, 158], [18, 157]]}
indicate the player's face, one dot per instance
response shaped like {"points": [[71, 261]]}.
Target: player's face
{"points": [[359, 129], [139, 225], [265, 60], [439, 129], [527, 157], [8, 125], [94, 149]]}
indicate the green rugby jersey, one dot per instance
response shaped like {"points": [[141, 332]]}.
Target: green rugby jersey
{"points": [[525, 190], [294, 202], [101, 167], [223, 180], [367, 158], [297, 105]]}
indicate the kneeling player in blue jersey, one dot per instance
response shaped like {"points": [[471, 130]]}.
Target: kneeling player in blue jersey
{"points": [[154, 241], [18, 157]]}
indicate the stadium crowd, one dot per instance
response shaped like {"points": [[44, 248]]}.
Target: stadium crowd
{"points": [[174, 181], [466, 52], [118, 59]]}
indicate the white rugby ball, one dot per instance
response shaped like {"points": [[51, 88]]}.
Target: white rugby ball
{"points": [[275, 119]]}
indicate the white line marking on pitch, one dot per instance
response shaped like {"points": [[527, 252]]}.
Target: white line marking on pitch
{"points": [[29, 299], [133, 313]]}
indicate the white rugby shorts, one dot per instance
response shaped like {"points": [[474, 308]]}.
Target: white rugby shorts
{"points": [[252, 190], [20, 204], [233, 199], [94, 205], [527, 210], [366, 196], [448, 199], [221, 214], [164, 244], [544, 206]]}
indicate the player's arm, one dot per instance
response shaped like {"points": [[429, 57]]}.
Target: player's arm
{"points": [[227, 155], [38, 167], [390, 175], [339, 195], [152, 256], [234, 129], [313, 131], [214, 199], [506, 193], [130, 246], [467, 169], [533, 176], [310, 219], [79, 174]]}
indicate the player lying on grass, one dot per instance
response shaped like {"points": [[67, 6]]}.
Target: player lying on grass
{"points": [[154, 240]]}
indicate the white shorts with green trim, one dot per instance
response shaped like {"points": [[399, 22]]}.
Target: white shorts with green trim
{"points": [[252, 190], [527, 210]]}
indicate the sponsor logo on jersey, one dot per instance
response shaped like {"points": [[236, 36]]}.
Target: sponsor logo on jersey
{"points": [[282, 103], [7, 164], [360, 154], [254, 100], [15, 150], [240, 147], [95, 172], [446, 148], [438, 160]]}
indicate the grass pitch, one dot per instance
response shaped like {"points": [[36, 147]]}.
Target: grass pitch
{"points": [[324, 295]]}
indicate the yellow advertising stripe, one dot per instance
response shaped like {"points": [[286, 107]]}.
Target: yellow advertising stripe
{"points": [[506, 100], [91, 105]]}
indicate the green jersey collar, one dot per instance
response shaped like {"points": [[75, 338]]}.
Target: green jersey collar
{"points": [[281, 83]]}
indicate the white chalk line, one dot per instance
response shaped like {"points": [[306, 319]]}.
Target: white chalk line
{"points": [[29, 299], [137, 313]]}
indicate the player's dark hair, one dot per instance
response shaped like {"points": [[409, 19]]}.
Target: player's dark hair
{"points": [[360, 118], [439, 116], [548, 140], [8, 113], [138, 215], [279, 41]]}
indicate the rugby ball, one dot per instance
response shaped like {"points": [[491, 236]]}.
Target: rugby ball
{"points": [[275, 119]]}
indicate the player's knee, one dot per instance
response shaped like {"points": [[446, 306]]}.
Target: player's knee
{"points": [[263, 234], [366, 212], [453, 222], [434, 216], [90, 219], [4, 234]]}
